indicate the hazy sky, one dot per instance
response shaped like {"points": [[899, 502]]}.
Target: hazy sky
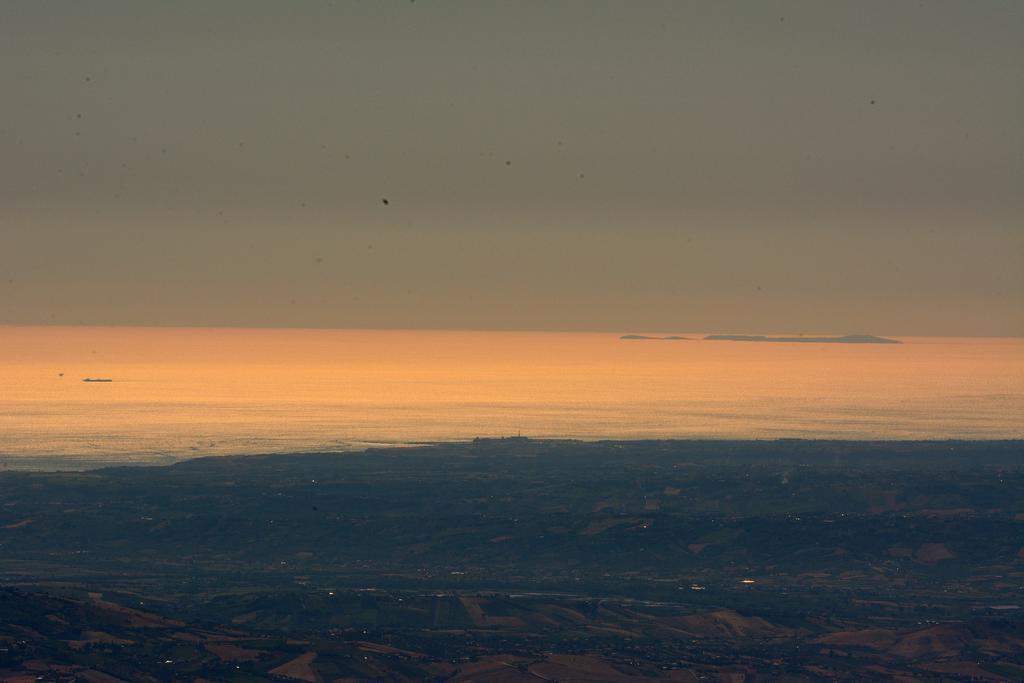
{"points": [[625, 166]]}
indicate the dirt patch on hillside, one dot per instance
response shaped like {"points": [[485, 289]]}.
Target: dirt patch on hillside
{"points": [[300, 669], [727, 624], [601, 526], [497, 668], [380, 649], [135, 618], [937, 642], [93, 637], [233, 653], [873, 638], [579, 668], [934, 552]]}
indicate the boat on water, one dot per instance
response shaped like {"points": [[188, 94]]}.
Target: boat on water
{"points": [[96, 379]]}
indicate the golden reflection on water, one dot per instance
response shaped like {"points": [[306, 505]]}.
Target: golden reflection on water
{"points": [[189, 391]]}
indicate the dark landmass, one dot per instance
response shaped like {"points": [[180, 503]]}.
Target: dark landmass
{"points": [[522, 560], [848, 339], [673, 337], [91, 379]]}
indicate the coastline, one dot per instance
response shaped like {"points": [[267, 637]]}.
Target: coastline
{"points": [[496, 445]]}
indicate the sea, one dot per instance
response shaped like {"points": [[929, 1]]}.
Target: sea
{"points": [[178, 393]]}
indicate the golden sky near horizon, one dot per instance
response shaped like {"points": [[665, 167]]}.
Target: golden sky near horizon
{"points": [[820, 167]]}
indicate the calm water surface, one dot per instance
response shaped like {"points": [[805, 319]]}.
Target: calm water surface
{"points": [[185, 392]]}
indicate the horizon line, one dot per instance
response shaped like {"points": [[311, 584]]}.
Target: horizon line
{"points": [[623, 331]]}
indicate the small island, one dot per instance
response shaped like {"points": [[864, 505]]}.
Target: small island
{"points": [[96, 379], [847, 339]]}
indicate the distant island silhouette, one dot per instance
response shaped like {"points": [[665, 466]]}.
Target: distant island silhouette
{"points": [[847, 339], [642, 337]]}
